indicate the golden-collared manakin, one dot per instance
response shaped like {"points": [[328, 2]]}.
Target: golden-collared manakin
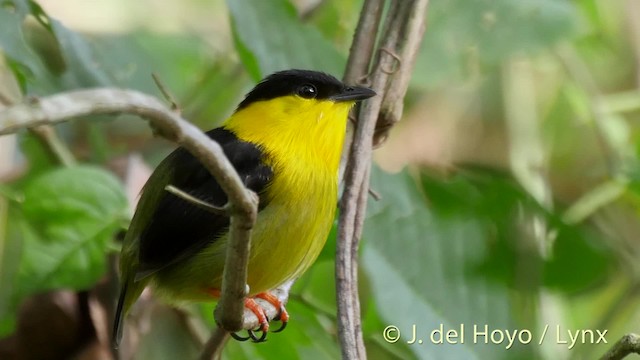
{"points": [[284, 140]]}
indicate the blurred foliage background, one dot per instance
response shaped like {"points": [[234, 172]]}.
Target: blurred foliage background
{"points": [[510, 191]]}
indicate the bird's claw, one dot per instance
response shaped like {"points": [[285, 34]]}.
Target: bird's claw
{"points": [[252, 305], [252, 334], [238, 337], [282, 327], [283, 317], [254, 338]]}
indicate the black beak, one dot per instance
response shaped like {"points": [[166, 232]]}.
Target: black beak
{"points": [[353, 93]]}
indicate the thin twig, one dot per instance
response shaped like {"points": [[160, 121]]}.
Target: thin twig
{"points": [[49, 138], [400, 21], [223, 211], [165, 93], [243, 203], [375, 195], [213, 347], [628, 344], [364, 41]]}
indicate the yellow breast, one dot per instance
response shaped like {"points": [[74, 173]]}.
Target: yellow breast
{"points": [[302, 140]]}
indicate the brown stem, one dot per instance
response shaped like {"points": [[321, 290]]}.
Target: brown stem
{"points": [[404, 26], [628, 344]]}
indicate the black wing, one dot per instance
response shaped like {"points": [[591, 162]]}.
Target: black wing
{"points": [[178, 229]]}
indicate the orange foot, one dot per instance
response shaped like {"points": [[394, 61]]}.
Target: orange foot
{"points": [[282, 315], [260, 313]]}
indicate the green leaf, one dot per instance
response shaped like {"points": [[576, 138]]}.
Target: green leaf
{"points": [[85, 68], [418, 262], [580, 260], [270, 34], [466, 35], [71, 215], [12, 42]]}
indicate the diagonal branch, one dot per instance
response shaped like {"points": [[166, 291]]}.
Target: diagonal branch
{"points": [[628, 344], [230, 313]]}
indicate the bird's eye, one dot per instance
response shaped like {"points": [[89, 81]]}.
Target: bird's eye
{"points": [[307, 91]]}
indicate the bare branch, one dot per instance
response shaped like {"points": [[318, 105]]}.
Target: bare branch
{"points": [[404, 27], [364, 42], [213, 347], [407, 52], [628, 344], [165, 92], [58, 108]]}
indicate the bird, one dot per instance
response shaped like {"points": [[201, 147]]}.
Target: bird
{"points": [[284, 140]]}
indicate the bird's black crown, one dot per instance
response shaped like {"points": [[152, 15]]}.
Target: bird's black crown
{"points": [[305, 83]]}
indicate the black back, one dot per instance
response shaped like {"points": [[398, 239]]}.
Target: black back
{"points": [[178, 228]]}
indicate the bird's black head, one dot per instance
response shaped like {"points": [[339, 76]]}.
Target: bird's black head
{"points": [[306, 84]]}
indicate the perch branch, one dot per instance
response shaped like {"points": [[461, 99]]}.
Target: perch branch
{"points": [[58, 108], [213, 347], [404, 25], [628, 344]]}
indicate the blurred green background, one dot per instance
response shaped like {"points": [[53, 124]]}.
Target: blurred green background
{"points": [[510, 191]]}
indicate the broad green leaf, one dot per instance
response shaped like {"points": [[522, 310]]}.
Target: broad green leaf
{"points": [[71, 215], [418, 264], [336, 19], [270, 34], [30, 45], [580, 260], [84, 68], [12, 40]]}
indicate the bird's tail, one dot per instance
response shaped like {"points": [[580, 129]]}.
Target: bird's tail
{"points": [[129, 293], [116, 336]]}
